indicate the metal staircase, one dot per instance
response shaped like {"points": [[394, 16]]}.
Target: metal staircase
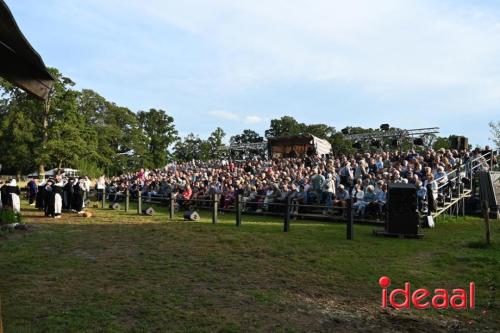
{"points": [[464, 183]]}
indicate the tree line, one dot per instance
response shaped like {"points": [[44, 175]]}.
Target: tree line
{"points": [[82, 130]]}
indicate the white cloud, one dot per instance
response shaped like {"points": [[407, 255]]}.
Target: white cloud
{"points": [[253, 119], [387, 47], [226, 115]]}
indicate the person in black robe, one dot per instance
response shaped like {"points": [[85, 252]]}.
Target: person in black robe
{"points": [[57, 189], [431, 201], [40, 194], [3, 194], [48, 198], [13, 192], [32, 191], [77, 198], [68, 194]]}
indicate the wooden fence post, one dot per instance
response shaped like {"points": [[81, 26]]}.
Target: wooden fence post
{"points": [[172, 206], [139, 202], [103, 198], [214, 207], [350, 219], [486, 213], [127, 200], [237, 204], [286, 217]]}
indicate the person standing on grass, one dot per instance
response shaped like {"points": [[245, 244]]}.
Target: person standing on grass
{"points": [[40, 195], [77, 199], [100, 186], [58, 193], [68, 194], [317, 181], [13, 193], [32, 191], [48, 199], [86, 188], [2, 194], [328, 191]]}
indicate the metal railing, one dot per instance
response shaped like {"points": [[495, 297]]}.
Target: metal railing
{"points": [[453, 192]]}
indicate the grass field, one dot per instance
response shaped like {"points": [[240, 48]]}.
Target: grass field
{"points": [[121, 272]]}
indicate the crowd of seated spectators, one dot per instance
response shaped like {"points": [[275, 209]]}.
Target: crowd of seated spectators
{"points": [[325, 183]]}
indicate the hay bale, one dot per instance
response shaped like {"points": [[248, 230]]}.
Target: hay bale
{"points": [[85, 214]]}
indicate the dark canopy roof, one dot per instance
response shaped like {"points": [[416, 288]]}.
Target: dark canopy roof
{"points": [[20, 64]]}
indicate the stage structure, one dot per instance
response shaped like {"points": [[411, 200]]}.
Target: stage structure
{"points": [[284, 146], [298, 146], [20, 64], [415, 136], [244, 151]]}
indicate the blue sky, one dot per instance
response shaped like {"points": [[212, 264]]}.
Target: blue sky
{"points": [[238, 64]]}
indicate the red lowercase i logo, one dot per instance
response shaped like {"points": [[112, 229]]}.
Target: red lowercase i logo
{"points": [[422, 298]]}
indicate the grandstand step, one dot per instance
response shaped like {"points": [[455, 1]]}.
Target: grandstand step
{"points": [[452, 203], [495, 179]]}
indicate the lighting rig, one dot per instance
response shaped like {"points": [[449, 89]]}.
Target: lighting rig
{"points": [[386, 132]]}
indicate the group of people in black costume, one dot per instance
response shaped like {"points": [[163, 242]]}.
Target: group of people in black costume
{"points": [[58, 194], [9, 196]]}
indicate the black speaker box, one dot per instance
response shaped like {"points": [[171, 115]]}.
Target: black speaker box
{"points": [[114, 206], [402, 209], [191, 215], [149, 212], [459, 142], [463, 143]]}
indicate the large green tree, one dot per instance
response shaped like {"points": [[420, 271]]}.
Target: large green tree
{"points": [[159, 131], [50, 134], [216, 148], [284, 126], [121, 143], [190, 148], [247, 136], [17, 140], [18, 135], [319, 130], [66, 137]]}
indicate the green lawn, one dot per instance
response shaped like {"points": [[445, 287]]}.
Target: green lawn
{"points": [[122, 272]]}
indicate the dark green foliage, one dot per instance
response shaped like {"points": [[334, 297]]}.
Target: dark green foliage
{"points": [[194, 148], [284, 126], [248, 136], [191, 148], [8, 216], [290, 126], [79, 129], [441, 142], [159, 131]]}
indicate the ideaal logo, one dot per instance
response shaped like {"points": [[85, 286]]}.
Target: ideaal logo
{"points": [[422, 298]]}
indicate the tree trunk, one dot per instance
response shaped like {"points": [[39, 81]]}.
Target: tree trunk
{"points": [[45, 138], [59, 166], [18, 176], [486, 213]]}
